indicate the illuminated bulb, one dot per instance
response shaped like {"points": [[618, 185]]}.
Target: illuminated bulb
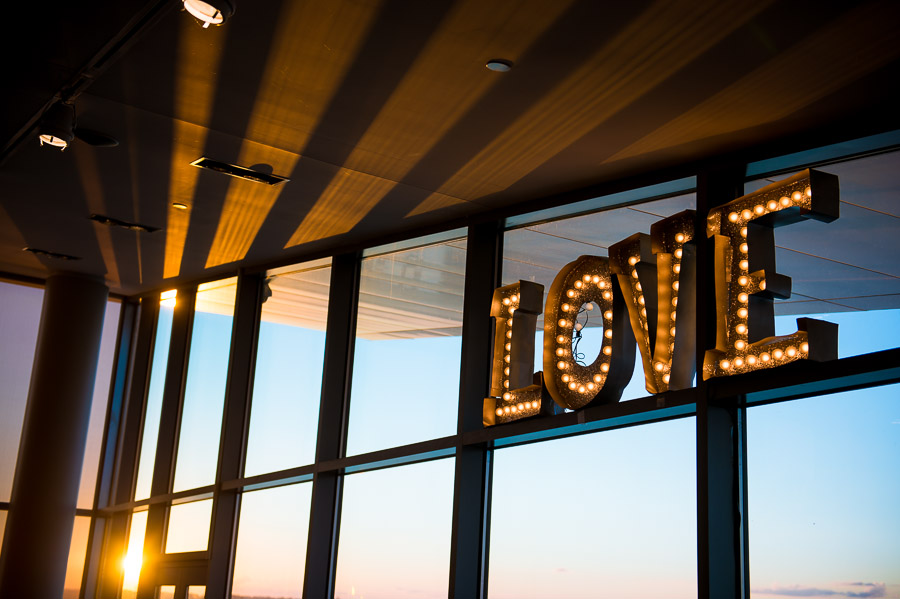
{"points": [[744, 248], [772, 205], [777, 354], [666, 378], [641, 300], [512, 310], [505, 301], [608, 315], [764, 357], [658, 366], [607, 295], [499, 411], [746, 214], [725, 364], [673, 316], [742, 312], [506, 371], [506, 410], [520, 407], [744, 232], [607, 350], [740, 344], [808, 192], [759, 209], [644, 312], [581, 389], [751, 360], [674, 301], [535, 405], [515, 298], [634, 274], [560, 351], [743, 297], [509, 334], [508, 346], [561, 339], [561, 365], [587, 278], [738, 362], [633, 260], [595, 279], [744, 265], [638, 286], [578, 284], [791, 352], [804, 347], [507, 396], [797, 196], [509, 322], [785, 201], [741, 329], [604, 368], [506, 358], [602, 284], [570, 293], [672, 331], [743, 281], [506, 384], [589, 307], [566, 307], [591, 386], [762, 285], [573, 385], [678, 253], [565, 378], [578, 326], [675, 285], [679, 237], [677, 268], [563, 322], [598, 377], [608, 333], [733, 217]]}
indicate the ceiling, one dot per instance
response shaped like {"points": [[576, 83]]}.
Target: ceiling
{"points": [[382, 115]]}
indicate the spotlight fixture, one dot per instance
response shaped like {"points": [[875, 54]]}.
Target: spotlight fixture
{"points": [[212, 12], [57, 127], [499, 64]]}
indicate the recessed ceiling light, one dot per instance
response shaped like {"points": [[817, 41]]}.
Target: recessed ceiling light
{"points": [[500, 65], [49, 254], [212, 12], [124, 224], [179, 206], [241, 172]]}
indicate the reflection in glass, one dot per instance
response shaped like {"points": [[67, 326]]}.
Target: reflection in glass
{"points": [[537, 253], [166, 591], [823, 492], [395, 532], [406, 364], [271, 542], [134, 554], [204, 393], [20, 317], [98, 406], [153, 408], [188, 527], [848, 266], [611, 514], [77, 554], [196, 591], [288, 380]]}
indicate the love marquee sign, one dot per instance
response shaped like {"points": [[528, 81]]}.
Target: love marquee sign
{"points": [[646, 293]]}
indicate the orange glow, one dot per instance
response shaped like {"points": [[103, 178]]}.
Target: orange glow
{"points": [[133, 559], [418, 114], [310, 66], [663, 39], [821, 64], [167, 298], [194, 92]]}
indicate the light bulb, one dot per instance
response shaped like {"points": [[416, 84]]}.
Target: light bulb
{"points": [[512, 310], [677, 268], [738, 362], [507, 396], [499, 411], [785, 201], [565, 378], [675, 285], [508, 346], [638, 286], [570, 293], [506, 410], [566, 307], [589, 307], [741, 329], [573, 385], [578, 284], [604, 367], [578, 326], [742, 281], [586, 278], [607, 295], [641, 300], [797, 196], [591, 386], [607, 350], [679, 237], [563, 322], [772, 205], [743, 297], [672, 331], [744, 248], [561, 365], [764, 357], [509, 334], [515, 298], [506, 384], [561, 339], [608, 333], [746, 214], [634, 273], [608, 315], [595, 279], [808, 192], [725, 364], [744, 232], [633, 260], [804, 347], [505, 301], [733, 217], [742, 313], [581, 389], [678, 253], [751, 360], [506, 358], [658, 366], [744, 264], [666, 378], [777, 354], [506, 371], [598, 378], [740, 344], [791, 352], [759, 209], [560, 351]]}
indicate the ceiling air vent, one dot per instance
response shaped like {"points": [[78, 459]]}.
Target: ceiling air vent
{"points": [[241, 172], [115, 222], [49, 254]]}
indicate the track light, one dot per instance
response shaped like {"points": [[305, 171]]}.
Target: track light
{"points": [[212, 12], [57, 126]]}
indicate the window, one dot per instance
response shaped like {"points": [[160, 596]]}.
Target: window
{"points": [[188, 526]]}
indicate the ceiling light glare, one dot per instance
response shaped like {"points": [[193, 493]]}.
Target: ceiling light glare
{"points": [[499, 65], [209, 13]]}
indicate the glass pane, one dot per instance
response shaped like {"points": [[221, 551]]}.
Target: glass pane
{"points": [[823, 494], [204, 394], [98, 406], [196, 592], [612, 514], [77, 555], [134, 555], [188, 528], [271, 542], [288, 381], [154, 395], [846, 271], [166, 592], [537, 253], [395, 532], [408, 340], [19, 322]]}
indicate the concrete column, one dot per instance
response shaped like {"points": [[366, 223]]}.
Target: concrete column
{"points": [[51, 451]]}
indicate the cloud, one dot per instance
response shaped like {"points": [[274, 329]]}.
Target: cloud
{"points": [[873, 590]]}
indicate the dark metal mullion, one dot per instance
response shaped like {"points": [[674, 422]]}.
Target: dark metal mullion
{"points": [[471, 509], [740, 449], [325, 509], [167, 441], [125, 459], [719, 564], [114, 411], [234, 433]]}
